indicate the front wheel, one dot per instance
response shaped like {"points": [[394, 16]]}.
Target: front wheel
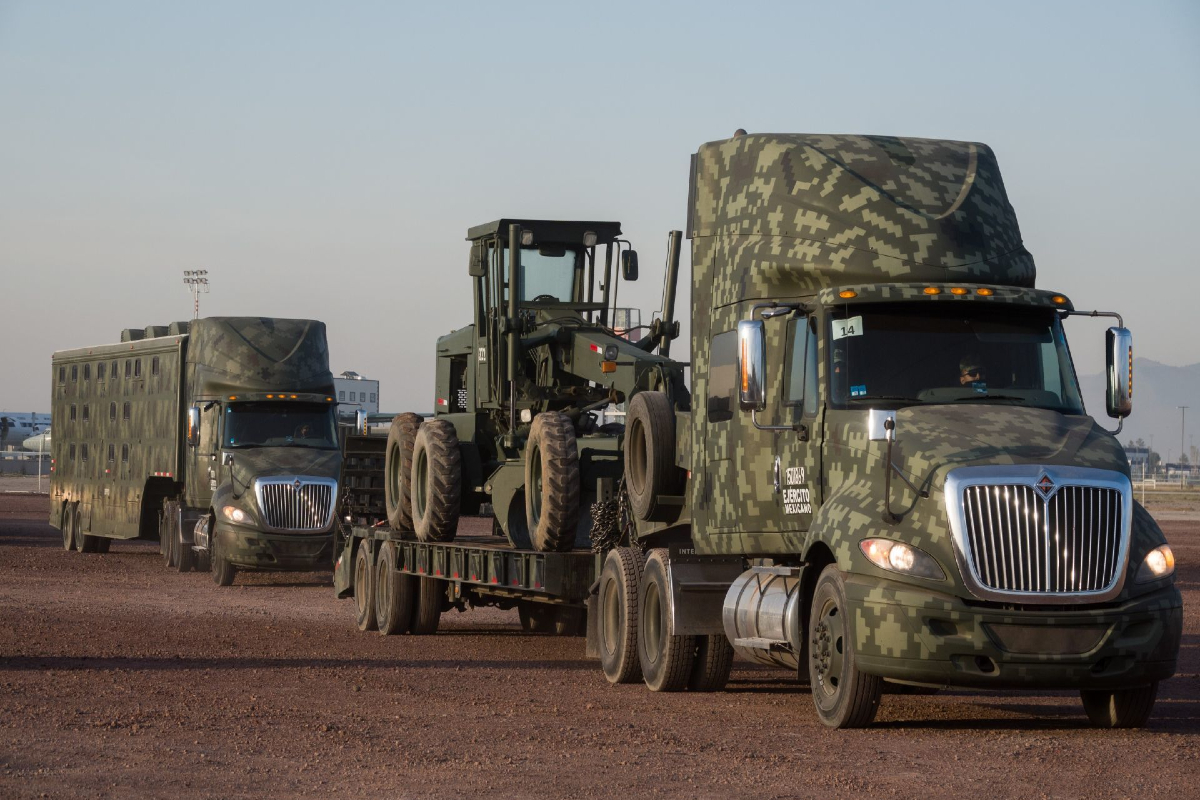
{"points": [[844, 697], [1121, 708], [222, 571]]}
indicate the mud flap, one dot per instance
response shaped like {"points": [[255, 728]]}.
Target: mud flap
{"points": [[592, 648], [343, 570]]}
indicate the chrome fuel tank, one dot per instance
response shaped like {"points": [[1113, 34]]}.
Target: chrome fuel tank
{"points": [[761, 615]]}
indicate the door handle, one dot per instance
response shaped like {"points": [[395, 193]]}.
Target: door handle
{"points": [[776, 481]]}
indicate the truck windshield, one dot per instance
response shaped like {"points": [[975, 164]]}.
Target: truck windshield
{"points": [[267, 424], [899, 355], [547, 273]]}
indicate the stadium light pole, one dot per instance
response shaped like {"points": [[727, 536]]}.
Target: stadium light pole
{"points": [[1182, 428], [197, 281]]}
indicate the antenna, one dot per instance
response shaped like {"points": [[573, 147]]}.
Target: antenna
{"points": [[197, 282]]}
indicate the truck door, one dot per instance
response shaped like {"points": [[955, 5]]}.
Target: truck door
{"points": [[203, 460], [763, 481]]}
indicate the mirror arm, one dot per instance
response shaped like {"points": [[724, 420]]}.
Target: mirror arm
{"points": [[1113, 314]]}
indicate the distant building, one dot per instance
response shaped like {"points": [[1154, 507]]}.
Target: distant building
{"points": [[1137, 456], [355, 393]]}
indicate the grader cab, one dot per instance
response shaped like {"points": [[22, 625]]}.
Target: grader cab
{"points": [[518, 391]]}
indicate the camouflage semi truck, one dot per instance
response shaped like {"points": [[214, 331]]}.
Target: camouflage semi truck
{"points": [[216, 437], [890, 474]]}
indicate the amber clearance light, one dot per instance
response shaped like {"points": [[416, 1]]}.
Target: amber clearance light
{"points": [[932, 290], [958, 290], [984, 292], [847, 293], [1058, 299]]}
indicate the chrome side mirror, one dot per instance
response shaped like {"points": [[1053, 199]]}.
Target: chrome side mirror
{"points": [[881, 425], [751, 360], [193, 426], [1119, 351], [227, 459]]}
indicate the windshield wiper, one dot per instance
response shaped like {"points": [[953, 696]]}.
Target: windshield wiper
{"points": [[885, 397]]}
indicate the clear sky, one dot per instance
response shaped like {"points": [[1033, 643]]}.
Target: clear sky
{"points": [[325, 159]]}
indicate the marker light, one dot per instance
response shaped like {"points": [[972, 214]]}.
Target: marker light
{"points": [[985, 292], [1058, 299], [608, 366], [526, 415], [234, 514], [1159, 563], [958, 290], [847, 293], [270, 397], [589, 239], [932, 290], [526, 238], [899, 557], [293, 397]]}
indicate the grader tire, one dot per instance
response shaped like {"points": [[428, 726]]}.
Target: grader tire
{"points": [[552, 482], [650, 469], [436, 481], [397, 483]]}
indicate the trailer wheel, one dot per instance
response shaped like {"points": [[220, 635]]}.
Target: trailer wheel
{"points": [[535, 617], [184, 560], [68, 527], [1120, 708], [552, 482], [397, 483], [223, 571], [166, 538], [844, 697], [364, 589], [618, 609], [102, 544], [714, 662], [395, 594], [81, 539], [666, 659], [650, 469], [436, 481], [430, 593]]}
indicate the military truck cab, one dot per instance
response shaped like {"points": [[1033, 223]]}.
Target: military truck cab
{"points": [[892, 475]]}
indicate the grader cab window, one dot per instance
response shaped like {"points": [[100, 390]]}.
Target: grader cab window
{"points": [[547, 273]]}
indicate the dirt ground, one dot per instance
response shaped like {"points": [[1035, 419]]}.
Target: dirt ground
{"points": [[121, 679]]}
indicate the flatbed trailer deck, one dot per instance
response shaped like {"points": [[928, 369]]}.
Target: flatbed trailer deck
{"points": [[549, 589]]}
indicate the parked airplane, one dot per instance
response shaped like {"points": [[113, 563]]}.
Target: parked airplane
{"points": [[19, 426], [38, 443]]}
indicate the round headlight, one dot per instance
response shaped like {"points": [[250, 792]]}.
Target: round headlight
{"points": [[234, 514]]}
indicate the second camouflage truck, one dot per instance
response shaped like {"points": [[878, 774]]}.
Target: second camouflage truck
{"points": [[217, 437], [890, 472]]}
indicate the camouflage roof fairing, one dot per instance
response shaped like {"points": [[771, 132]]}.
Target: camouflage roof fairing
{"points": [[258, 354], [796, 213]]}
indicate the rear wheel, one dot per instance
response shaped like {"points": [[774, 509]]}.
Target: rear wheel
{"points": [[397, 484], [650, 469], [844, 697], [535, 617], [618, 608], [81, 545], [552, 482], [68, 526], [364, 589], [395, 594], [166, 537], [436, 481], [183, 558], [430, 594], [714, 662], [666, 659], [102, 544], [1121, 708]]}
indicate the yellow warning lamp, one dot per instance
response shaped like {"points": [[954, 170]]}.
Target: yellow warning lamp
{"points": [[932, 290], [958, 290], [847, 293]]}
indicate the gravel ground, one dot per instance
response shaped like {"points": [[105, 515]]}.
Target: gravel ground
{"points": [[121, 679]]}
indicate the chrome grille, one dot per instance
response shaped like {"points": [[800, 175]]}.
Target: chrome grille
{"points": [[1041, 535], [296, 504]]}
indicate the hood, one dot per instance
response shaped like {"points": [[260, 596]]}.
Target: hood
{"points": [[932, 437]]}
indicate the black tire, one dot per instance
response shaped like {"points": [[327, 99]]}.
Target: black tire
{"points": [[223, 571], [430, 594], [102, 544], [535, 617], [436, 481], [617, 606], [552, 482], [843, 696], [397, 474], [364, 588], [395, 594], [68, 527], [166, 537], [650, 469], [570, 621], [1120, 708], [714, 662], [81, 539], [184, 558], [666, 659]]}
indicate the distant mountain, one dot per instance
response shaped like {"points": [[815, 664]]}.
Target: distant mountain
{"points": [[1158, 391]]}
